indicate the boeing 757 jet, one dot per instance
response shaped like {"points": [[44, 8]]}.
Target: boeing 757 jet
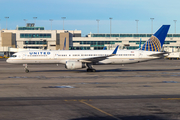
{"points": [[77, 59]]}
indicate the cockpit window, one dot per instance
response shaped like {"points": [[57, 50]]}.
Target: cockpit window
{"points": [[14, 56]]}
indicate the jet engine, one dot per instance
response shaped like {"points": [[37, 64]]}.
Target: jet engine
{"points": [[74, 65]]}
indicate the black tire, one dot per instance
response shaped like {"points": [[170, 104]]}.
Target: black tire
{"points": [[26, 70]]}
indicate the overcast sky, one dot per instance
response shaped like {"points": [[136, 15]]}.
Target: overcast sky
{"points": [[82, 14]]}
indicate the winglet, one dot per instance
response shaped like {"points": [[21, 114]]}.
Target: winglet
{"points": [[104, 48], [115, 51]]}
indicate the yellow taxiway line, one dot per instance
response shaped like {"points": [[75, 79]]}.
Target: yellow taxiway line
{"points": [[84, 102]]}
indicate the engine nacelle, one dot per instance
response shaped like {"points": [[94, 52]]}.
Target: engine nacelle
{"points": [[74, 65]]}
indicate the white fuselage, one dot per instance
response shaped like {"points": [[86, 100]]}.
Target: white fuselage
{"points": [[61, 56]]}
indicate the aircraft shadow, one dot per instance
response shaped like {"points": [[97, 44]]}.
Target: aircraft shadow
{"points": [[108, 70], [59, 71], [139, 70], [145, 117]]}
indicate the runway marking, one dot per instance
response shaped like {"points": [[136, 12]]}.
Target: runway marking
{"points": [[99, 110], [83, 101], [170, 98]]}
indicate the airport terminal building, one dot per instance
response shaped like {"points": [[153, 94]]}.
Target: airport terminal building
{"points": [[32, 37]]}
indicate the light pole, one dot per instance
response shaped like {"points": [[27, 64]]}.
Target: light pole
{"points": [[152, 25], [25, 21], [175, 26], [2, 46], [6, 22], [51, 22], [97, 25], [63, 21], [35, 20], [136, 26], [110, 25]]}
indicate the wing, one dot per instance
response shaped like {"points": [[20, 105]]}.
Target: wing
{"points": [[97, 59]]}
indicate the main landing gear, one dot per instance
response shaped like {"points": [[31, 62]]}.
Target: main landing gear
{"points": [[26, 68], [90, 68]]}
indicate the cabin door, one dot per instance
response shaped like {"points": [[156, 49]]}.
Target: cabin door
{"points": [[55, 56]]}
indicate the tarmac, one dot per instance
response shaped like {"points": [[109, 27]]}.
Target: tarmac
{"points": [[142, 91]]}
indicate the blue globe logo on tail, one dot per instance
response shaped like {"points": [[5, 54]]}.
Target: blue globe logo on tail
{"points": [[153, 44], [156, 41]]}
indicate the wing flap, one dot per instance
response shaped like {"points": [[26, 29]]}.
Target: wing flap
{"points": [[97, 59], [94, 59]]}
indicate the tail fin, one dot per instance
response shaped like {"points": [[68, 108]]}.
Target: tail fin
{"points": [[156, 41], [64, 44]]}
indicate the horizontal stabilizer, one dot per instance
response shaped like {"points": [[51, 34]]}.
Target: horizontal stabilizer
{"points": [[159, 54]]}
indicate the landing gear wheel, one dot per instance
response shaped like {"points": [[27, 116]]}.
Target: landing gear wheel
{"points": [[26, 70], [91, 70]]}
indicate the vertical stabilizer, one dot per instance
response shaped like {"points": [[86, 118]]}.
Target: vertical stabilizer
{"points": [[156, 41]]}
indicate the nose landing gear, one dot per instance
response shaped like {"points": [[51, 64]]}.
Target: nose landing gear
{"points": [[26, 68]]}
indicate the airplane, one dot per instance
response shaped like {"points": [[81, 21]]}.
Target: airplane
{"points": [[77, 59]]}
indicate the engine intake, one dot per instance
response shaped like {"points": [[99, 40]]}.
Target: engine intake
{"points": [[74, 65]]}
